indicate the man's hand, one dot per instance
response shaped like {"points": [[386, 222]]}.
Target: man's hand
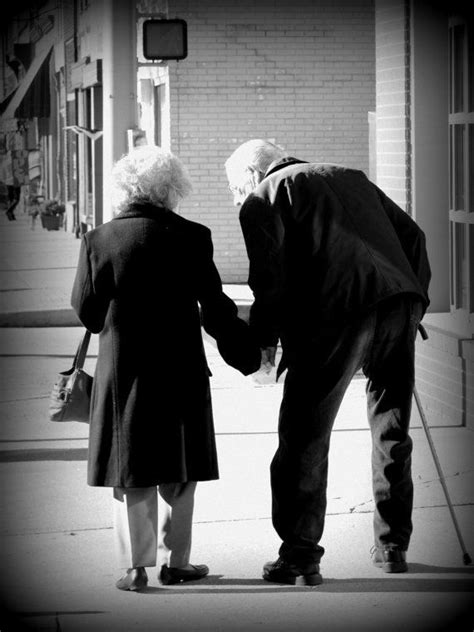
{"points": [[267, 372], [268, 359]]}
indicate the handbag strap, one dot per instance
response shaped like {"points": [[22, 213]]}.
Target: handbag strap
{"points": [[81, 352]]}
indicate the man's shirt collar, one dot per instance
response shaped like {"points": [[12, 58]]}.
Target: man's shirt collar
{"points": [[281, 163]]}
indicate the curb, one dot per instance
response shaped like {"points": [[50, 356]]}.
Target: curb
{"points": [[65, 317], [40, 318]]}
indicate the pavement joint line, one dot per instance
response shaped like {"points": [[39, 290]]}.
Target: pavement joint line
{"points": [[43, 355], [218, 434], [369, 511], [238, 434], [45, 440], [37, 269], [23, 399], [273, 432], [73, 531], [331, 513], [436, 480], [16, 289]]}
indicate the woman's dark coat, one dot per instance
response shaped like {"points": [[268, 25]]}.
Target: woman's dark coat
{"points": [[138, 283]]}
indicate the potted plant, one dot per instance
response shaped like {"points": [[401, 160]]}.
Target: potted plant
{"points": [[52, 213]]}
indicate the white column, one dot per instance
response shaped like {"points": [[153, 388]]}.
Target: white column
{"points": [[430, 142], [119, 80]]}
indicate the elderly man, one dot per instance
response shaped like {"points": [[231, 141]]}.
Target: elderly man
{"points": [[340, 276]]}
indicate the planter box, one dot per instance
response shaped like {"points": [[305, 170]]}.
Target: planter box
{"points": [[51, 222]]}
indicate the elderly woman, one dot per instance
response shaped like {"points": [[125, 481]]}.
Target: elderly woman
{"points": [[139, 282]]}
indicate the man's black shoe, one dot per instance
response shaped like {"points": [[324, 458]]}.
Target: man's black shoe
{"points": [[389, 559], [282, 572]]}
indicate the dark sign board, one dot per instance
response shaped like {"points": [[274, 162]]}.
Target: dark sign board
{"points": [[165, 39]]}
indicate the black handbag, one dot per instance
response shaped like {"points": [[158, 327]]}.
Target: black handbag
{"points": [[71, 395]]}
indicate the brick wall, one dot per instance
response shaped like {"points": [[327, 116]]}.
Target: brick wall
{"points": [[439, 377], [301, 73], [467, 353], [445, 378], [393, 100]]}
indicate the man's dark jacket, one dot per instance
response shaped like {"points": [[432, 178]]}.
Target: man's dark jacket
{"points": [[139, 280], [325, 245]]}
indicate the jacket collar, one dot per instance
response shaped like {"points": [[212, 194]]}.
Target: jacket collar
{"points": [[144, 210], [281, 163]]}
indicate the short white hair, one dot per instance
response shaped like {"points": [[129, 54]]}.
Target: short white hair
{"points": [[256, 154], [149, 174]]}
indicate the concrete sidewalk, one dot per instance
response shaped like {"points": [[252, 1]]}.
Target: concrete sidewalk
{"points": [[56, 541], [37, 269]]}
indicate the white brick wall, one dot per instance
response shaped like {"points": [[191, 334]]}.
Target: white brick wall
{"points": [[445, 378], [393, 105], [301, 73]]}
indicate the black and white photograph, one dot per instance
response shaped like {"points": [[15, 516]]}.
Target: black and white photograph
{"points": [[236, 316]]}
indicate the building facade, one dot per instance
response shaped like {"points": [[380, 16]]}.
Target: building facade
{"points": [[385, 86], [424, 161]]}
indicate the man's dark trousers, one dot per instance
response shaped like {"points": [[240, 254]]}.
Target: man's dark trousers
{"points": [[382, 345]]}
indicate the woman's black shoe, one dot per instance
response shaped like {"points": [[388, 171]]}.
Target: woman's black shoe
{"points": [[177, 575]]}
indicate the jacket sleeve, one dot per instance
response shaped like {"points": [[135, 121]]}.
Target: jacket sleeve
{"points": [[412, 239], [90, 307], [263, 233], [219, 314]]}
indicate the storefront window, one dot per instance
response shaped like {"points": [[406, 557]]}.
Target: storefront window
{"points": [[461, 167]]}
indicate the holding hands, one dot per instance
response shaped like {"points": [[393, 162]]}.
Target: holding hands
{"points": [[266, 372], [268, 359]]}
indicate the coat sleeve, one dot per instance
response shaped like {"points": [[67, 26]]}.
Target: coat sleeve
{"points": [[234, 339], [263, 233], [90, 306], [412, 239]]}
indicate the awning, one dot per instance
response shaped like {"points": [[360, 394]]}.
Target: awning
{"points": [[32, 97], [8, 86]]}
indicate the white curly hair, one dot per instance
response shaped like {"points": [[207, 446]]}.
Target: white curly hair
{"points": [[149, 174]]}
